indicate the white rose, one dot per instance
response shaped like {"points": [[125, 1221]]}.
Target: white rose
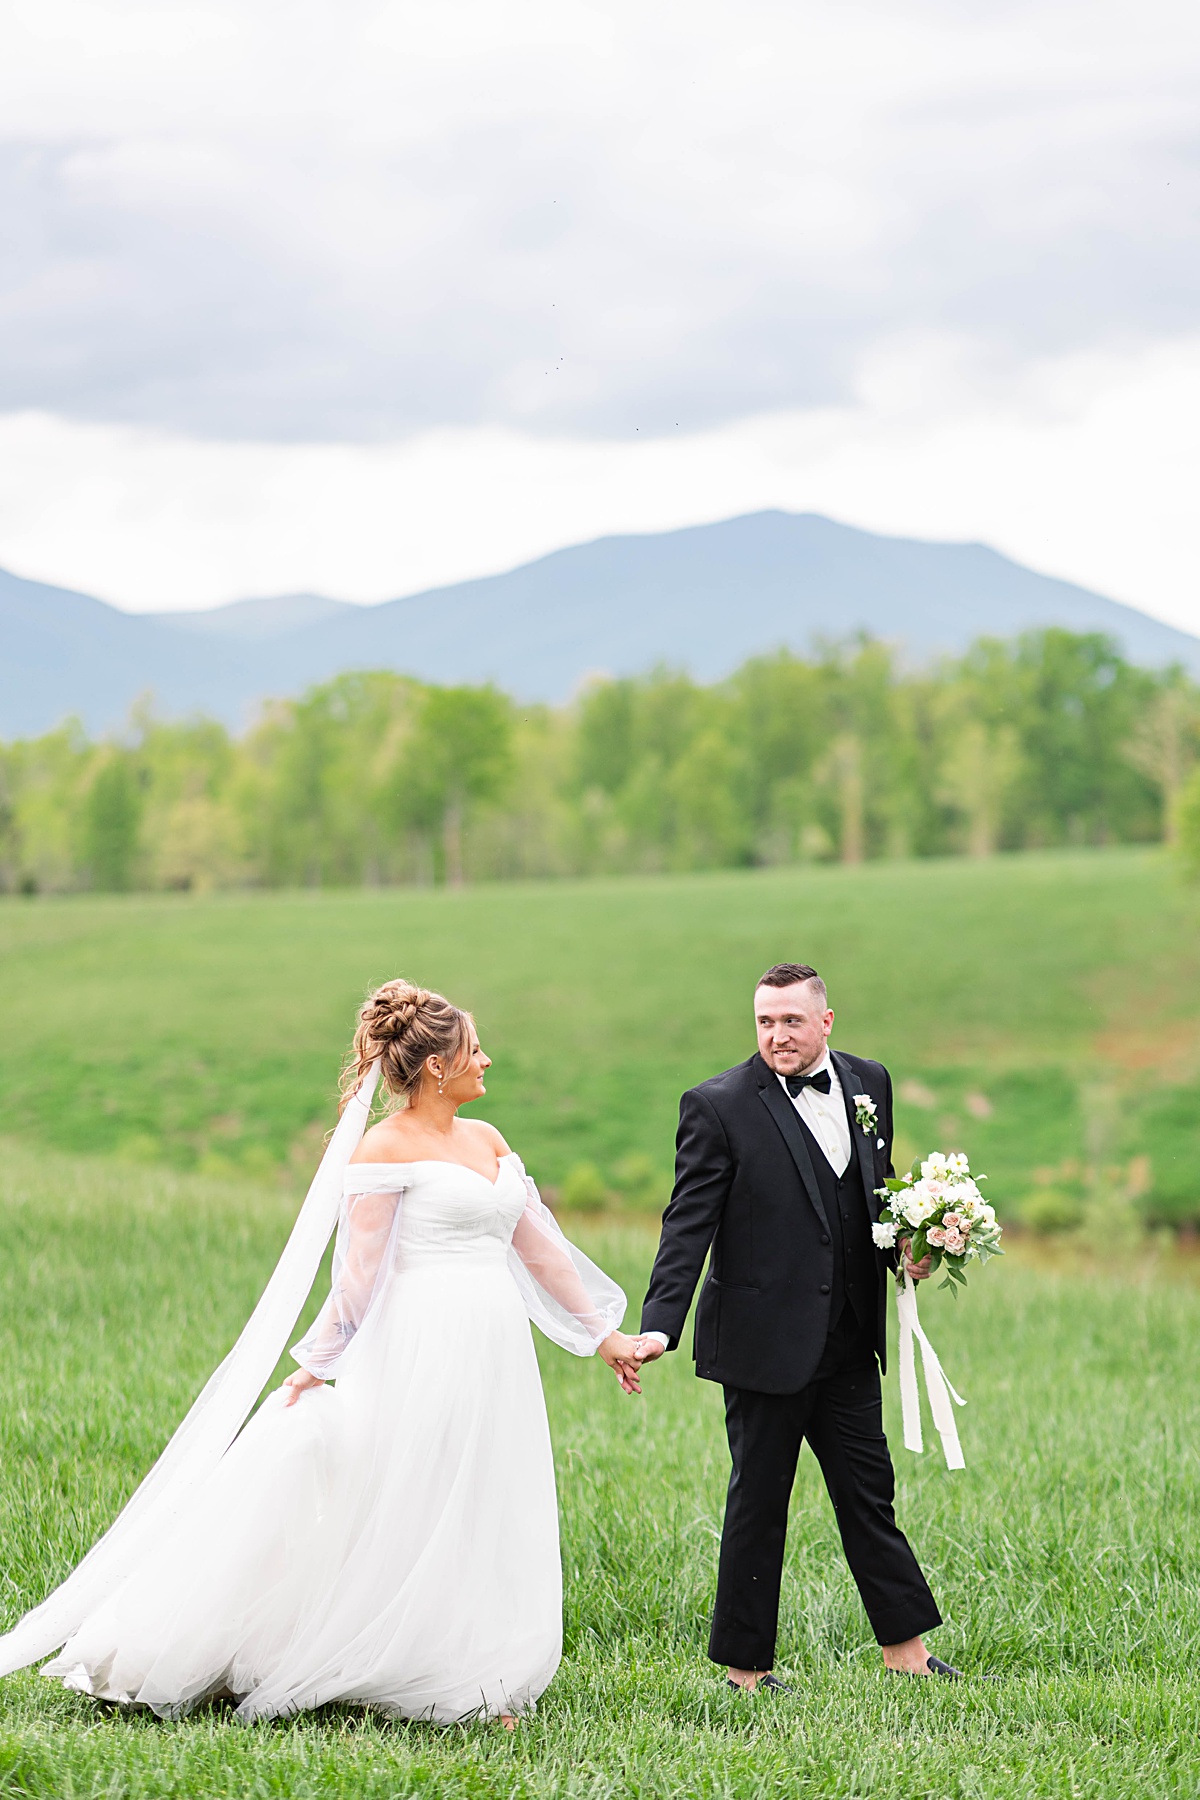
{"points": [[884, 1234]]}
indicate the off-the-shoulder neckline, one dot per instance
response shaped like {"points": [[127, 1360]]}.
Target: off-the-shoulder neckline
{"points": [[434, 1162]]}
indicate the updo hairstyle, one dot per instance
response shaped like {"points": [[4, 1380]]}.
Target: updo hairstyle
{"points": [[403, 1025]]}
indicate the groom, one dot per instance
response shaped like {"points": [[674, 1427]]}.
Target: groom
{"points": [[777, 1163]]}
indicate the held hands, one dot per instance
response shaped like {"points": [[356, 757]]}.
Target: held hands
{"points": [[625, 1356], [914, 1271], [620, 1352]]}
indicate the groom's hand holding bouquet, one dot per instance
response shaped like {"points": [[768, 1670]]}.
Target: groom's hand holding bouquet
{"points": [[943, 1217]]}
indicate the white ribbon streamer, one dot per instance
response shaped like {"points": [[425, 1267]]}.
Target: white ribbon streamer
{"points": [[936, 1386]]}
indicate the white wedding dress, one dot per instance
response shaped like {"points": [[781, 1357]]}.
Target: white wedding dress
{"points": [[392, 1540]]}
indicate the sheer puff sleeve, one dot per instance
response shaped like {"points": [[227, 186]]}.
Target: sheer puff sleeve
{"points": [[565, 1294], [361, 1262]]}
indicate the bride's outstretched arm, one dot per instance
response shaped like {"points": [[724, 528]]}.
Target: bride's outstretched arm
{"points": [[550, 1264], [566, 1295], [364, 1232]]}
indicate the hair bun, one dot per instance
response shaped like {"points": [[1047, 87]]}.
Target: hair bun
{"points": [[395, 1008], [402, 1026]]}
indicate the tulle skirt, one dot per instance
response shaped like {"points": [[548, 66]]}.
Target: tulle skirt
{"points": [[392, 1541]]}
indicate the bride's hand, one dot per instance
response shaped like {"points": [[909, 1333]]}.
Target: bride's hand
{"points": [[618, 1352], [295, 1385]]}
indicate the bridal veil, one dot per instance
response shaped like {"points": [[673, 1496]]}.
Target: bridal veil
{"points": [[215, 1418]]}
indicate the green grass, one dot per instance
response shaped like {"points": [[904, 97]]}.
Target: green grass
{"points": [[164, 1059], [1058, 995], [1066, 1556]]}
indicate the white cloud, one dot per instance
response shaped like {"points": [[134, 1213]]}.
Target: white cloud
{"points": [[357, 220], [1087, 468], [363, 295]]}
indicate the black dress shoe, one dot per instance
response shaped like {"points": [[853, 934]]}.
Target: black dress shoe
{"points": [[764, 1681], [936, 1666]]}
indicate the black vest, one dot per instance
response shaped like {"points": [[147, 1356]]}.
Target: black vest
{"points": [[855, 1266]]}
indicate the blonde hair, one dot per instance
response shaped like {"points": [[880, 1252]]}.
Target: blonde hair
{"points": [[404, 1025]]}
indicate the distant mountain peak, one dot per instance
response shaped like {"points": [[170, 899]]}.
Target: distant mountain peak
{"points": [[702, 598]]}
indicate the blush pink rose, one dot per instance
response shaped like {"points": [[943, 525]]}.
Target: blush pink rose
{"points": [[936, 1235], [954, 1242]]}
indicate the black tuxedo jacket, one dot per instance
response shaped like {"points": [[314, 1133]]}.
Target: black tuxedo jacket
{"points": [[745, 1187]]}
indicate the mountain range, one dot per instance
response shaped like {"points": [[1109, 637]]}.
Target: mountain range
{"points": [[703, 598]]}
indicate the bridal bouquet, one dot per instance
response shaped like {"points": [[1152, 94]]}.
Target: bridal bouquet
{"points": [[939, 1206], [943, 1211]]}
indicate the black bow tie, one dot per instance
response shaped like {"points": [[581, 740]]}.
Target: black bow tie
{"points": [[796, 1084]]}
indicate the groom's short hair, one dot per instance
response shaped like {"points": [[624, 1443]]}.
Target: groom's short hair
{"points": [[788, 974]]}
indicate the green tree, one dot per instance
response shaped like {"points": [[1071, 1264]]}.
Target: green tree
{"points": [[1163, 743], [858, 767], [318, 795], [979, 759], [46, 783], [778, 716], [375, 778], [1075, 703], [1187, 815], [112, 816], [712, 826], [605, 740], [983, 764], [636, 786], [189, 829], [460, 752]]}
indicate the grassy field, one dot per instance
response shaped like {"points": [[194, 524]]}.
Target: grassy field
{"points": [[1042, 1012], [1066, 1556], [163, 1059]]}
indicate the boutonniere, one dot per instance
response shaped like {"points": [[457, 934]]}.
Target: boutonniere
{"points": [[865, 1112]]}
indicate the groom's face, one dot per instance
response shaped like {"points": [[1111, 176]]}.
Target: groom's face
{"points": [[792, 1027]]}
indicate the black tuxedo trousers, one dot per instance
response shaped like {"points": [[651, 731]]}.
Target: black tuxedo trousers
{"points": [[840, 1413], [791, 1323]]}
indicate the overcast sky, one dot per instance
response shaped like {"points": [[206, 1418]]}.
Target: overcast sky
{"points": [[361, 297]]}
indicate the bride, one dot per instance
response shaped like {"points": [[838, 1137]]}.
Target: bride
{"points": [[392, 1540]]}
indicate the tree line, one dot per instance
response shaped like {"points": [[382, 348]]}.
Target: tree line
{"points": [[375, 778]]}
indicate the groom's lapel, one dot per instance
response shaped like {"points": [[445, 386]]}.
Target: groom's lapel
{"points": [[863, 1141], [784, 1115]]}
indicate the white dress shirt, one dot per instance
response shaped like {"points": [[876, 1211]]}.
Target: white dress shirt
{"points": [[825, 1116]]}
